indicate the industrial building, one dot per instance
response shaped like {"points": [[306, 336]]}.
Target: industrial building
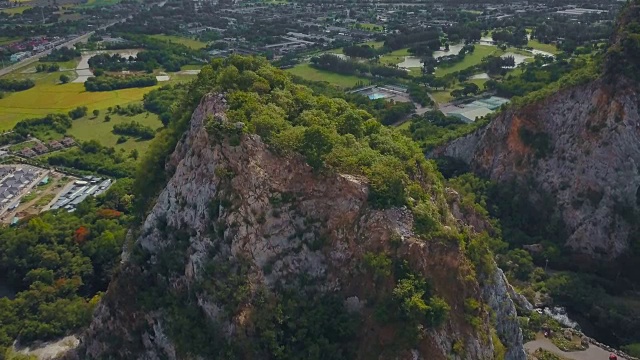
{"points": [[81, 189]]}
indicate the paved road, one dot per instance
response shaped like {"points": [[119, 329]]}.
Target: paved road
{"points": [[592, 353], [37, 56]]}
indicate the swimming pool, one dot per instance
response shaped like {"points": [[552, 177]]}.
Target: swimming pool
{"points": [[376, 96]]}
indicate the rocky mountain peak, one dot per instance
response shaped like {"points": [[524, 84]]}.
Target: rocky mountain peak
{"points": [[250, 253]]}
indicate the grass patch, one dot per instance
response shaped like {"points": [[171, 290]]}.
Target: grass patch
{"points": [[394, 57], [374, 44], [44, 200], [48, 97], [88, 128], [97, 3], [15, 10], [307, 72], [188, 42], [369, 27], [442, 97], [191, 67], [550, 48], [480, 52], [8, 40], [404, 126]]}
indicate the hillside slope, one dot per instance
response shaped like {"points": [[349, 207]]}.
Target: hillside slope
{"points": [[580, 146], [248, 252]]}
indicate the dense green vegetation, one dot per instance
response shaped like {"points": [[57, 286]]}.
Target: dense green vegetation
{"points": [[58, 263], [93, 157], [433, 128], [61, 55], [332, 135], [16, 85], [134, 129], [108, 83]]}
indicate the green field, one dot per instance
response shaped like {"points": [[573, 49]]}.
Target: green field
{"points": [[191, 67], [8, 40], [305, 71], [15, 10], [481, 51], [369, 27], [442, 97], [550, 48], [48, 96], [97, 3], [394, 57], [192, 43], [374, 44], [90, 128]]}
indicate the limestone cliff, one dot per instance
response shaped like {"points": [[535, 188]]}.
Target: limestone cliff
{"points": [[235, 215], [580, 145], [587, 158]]}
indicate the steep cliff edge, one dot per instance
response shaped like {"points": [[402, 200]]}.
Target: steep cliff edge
{"points": [[241, 238], [580, 145]]}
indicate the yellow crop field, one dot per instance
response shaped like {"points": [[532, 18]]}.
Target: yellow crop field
{"points": [[48, 96]]}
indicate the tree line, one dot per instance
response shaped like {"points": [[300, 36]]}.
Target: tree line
{"points": [[16, 84], [333, 63], [61, 55], [134, 129], [108, 83]]}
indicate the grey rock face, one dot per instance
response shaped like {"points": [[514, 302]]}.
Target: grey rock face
{"points": [[591, 169], [266, 228]]}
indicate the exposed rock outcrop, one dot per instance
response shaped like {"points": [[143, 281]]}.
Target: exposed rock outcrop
{"points": [[581, 146], [589, 163], [242, 204]]}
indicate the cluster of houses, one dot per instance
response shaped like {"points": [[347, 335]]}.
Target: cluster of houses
{"points": [[15, 181], [23, 49], [53, 145], [81, 189]]}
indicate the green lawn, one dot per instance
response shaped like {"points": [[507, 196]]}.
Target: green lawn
{"points": [[374, 44], [97, 3], [192, 43], [442, 97], [481, 51], [394, 57], [191, 67], [550, 48], [305, 71], [8, 40], [369, 27], [49, 96], [404, 125], [336, 51], [90, 128], [15, 10]]}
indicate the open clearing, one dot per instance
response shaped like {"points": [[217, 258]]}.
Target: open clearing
{"points": [[394, 57], [305, 71], [8, 40], [15, 10], [480, 52], [90, 128], [53, 97], [369, 27], [550, 48], [192, 43]]}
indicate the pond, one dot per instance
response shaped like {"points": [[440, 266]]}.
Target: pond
{"points": [[517, 57], [453, 50], [410, 62]]}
